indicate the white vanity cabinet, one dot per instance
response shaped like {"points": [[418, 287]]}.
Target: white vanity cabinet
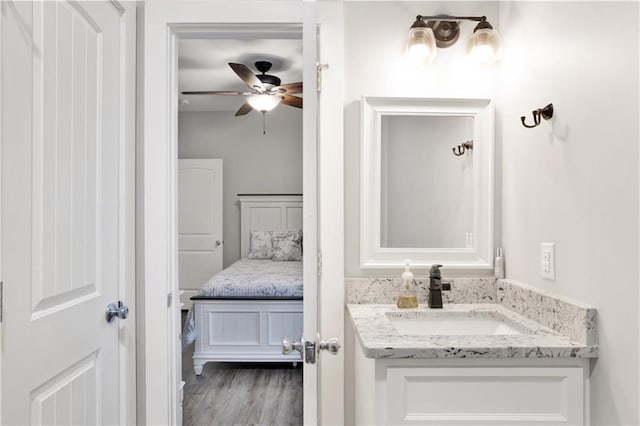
{"points": [[479, 391], [472, 363]]}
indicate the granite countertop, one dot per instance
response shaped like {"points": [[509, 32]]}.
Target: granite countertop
{"points": [[380, 339]]}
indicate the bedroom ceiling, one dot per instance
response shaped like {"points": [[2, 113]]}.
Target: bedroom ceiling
{"points": [[203, 66]]}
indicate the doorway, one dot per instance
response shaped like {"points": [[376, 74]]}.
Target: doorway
{"points": [[239, 191], [165, 22]]}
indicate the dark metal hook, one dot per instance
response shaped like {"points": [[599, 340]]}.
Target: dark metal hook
{"points": [[461, 149], [546, 113], [536, 120]]}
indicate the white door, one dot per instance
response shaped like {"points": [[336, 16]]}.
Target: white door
{"points": [[65, 226], [310, 209], [200, 243]]}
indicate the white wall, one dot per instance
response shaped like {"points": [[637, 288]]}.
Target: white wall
{"points": [[574, 180], [253, 163], [427, 191], [374, 40]]}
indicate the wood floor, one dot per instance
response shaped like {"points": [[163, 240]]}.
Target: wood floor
{"points": [[241, 394]]}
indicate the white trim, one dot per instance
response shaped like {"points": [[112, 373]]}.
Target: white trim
{"points": [[153, 364], [637, 236], [1, 210], [238, 31], [173, 285], [139, 220], [127, 262], [372, 254]]}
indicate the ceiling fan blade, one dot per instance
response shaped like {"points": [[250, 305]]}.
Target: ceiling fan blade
{"points": [[244, 109], [219, 92], [291, 100], [290, 88], [247, 76]]}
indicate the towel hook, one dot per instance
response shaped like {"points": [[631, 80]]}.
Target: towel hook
{"points": [[461, 149], [546, 113]]}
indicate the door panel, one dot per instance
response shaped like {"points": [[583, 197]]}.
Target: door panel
{"points": [[65, 122], [62, 141], [200, 245], [70, 397]]}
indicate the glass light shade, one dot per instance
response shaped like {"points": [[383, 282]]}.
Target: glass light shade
{"points": [[421, 46], [264, 102], [486, 46]]}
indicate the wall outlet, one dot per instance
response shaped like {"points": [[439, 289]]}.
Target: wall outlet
{"points": [[548, 261]]}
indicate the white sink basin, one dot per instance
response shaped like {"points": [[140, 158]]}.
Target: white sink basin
{"points": [[454, 324]]}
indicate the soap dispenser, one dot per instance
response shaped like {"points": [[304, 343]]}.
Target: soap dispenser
{"points": [[408, 298]]}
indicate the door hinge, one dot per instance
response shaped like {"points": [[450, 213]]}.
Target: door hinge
{"points": [[319, 264], [319, 68], [169, 299], [1, 300]]}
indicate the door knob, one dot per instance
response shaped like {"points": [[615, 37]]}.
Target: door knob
{"points": [[289, 345], [330, 345], [309, 350], [218, 243], [120, 311]]}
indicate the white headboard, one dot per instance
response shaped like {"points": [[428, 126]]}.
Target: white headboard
{"points": [[267, 213]]}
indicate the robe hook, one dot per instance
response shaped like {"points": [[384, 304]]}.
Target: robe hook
{"points": [[546, 113], [461, 149]]}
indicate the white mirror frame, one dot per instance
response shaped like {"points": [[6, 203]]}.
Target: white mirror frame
{"points": [[480, 254]]}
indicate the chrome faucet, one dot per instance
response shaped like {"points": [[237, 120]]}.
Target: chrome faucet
{"points": [[436, 286]]}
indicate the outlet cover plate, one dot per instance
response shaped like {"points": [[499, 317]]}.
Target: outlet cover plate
{"points": [[548, 261]]}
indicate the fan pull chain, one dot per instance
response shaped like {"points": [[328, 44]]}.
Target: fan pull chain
{"points": [[264, 123]]}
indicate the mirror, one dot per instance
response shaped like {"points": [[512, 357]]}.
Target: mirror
{"points": [[439, 211], [427, 182]]}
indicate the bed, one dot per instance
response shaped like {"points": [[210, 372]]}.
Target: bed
{"points": [[242, 313]]}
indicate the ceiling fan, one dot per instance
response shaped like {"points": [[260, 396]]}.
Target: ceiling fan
{"points": [[265, 92]]}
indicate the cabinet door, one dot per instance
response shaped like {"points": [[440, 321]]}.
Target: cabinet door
{"points": [[484, 396]]}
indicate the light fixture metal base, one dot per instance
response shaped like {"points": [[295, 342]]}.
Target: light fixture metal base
{"points": [[446, 33]]}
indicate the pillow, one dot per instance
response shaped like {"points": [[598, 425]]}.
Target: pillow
{"points": [[261, 246], [287, 245]]}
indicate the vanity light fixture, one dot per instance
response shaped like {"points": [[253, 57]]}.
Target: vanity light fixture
{"points": [[443, 31]]}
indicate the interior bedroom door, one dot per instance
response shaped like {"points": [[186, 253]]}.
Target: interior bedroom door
{"points": [[310, 385], [67, 122], [200, 243]]}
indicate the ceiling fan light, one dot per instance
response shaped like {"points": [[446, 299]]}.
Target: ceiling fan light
{"points": [[264, 102], [421, 44], [485, 45]]}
